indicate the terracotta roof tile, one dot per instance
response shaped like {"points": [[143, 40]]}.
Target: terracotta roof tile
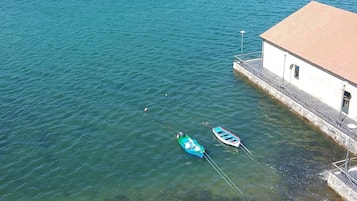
{"points": [[321, 34]]}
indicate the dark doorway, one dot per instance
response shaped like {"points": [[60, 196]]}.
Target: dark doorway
{"points": [[346, 101]]}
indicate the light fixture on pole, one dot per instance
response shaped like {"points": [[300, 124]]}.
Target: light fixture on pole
{"points": [[242, 32]]}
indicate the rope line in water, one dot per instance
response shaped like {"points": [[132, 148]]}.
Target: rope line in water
{"points": [[248, 152], [166, 125], [212, 163], [224, 176]]}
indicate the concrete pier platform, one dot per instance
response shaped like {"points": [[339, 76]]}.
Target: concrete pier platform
{"points": [[342, 185], [327, 119], [343, 178]]}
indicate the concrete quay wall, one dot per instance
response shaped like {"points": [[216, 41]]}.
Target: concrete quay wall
{"points": [[339, 183], [337, 135]]}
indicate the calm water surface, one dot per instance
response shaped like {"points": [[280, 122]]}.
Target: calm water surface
{"points": [[76, 76]]}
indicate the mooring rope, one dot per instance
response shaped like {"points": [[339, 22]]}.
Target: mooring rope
{"points": [[248, 152], [224, 176], [210, 161]]}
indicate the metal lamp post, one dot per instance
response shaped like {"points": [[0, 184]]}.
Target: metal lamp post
{"points": [[344, 83], [242, 32], [282, 81]]}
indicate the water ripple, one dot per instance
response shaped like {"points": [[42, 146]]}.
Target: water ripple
{"points": [[76, 77]]}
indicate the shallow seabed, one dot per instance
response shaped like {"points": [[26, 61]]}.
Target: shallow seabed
{"points": [[76, 76]]}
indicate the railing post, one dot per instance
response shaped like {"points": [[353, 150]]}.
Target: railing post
{"points": [[282, 82], [347, 159]]}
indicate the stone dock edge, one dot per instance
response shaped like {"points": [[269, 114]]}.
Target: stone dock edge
{"points": [[338, 136], [335, 179]]}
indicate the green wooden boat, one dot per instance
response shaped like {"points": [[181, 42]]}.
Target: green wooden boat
{"points": [[190, 145]]}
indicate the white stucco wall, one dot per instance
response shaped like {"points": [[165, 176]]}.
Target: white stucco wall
{"points": [[312, 80]]}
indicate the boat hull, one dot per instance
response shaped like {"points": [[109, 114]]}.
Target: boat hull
{"points": [[226, 136], [191, 146]]}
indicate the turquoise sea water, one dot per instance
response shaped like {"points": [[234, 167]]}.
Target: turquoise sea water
{"points": [[77, 75]]}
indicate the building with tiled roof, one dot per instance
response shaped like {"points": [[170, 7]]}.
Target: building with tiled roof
{"points": [[315, 49]]}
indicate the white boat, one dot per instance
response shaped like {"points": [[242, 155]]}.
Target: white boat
{"points": [[226, 136]]}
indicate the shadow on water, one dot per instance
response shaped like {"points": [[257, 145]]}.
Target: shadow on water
{"points": [[181, 195], [45, 143], [119, 197], [203, 196]]}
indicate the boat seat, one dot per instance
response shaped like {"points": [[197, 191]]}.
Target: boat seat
{"points": [[218, 129]]}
